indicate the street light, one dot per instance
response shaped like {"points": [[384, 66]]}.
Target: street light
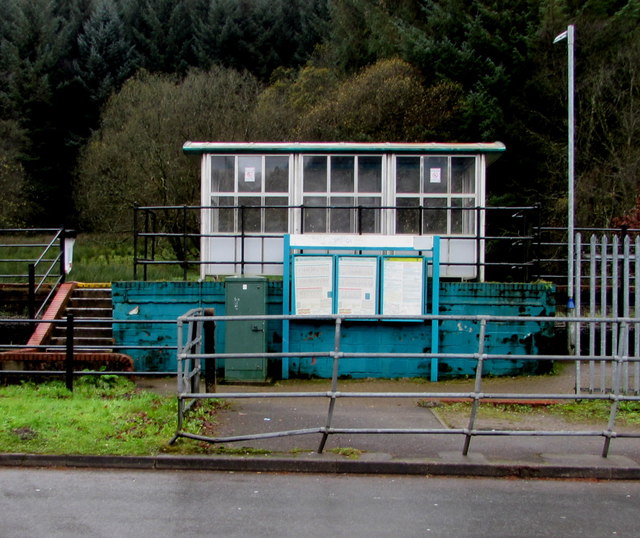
{"points": [[569, 36]]}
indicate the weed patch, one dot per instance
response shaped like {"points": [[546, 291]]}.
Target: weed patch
{"points": [[348, 452], [102, 416]]}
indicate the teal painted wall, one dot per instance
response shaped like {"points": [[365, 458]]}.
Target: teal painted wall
{"points": [[168, 300]]}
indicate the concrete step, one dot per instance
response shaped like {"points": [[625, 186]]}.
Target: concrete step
{"points": [[84, 292], [84, 331], [84, 343], [90, 313], [90, 302]]}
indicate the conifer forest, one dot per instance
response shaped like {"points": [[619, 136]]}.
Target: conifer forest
{"points": [[98, 96]]}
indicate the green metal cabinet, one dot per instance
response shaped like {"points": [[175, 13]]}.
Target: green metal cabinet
{"points": [[245, 296]]}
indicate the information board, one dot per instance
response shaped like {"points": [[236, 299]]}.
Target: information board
{"points": [[357, 285], [402, 286], [313, 281]]}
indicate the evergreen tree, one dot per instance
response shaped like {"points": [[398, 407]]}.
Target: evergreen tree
{"points": [[162, 32], [105, 57], [31, 49], [260, 35]]}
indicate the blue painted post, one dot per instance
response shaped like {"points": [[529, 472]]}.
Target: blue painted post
{"points": [[435, 305], [286, 303]]}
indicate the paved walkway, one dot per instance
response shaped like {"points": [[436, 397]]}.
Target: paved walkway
{"points": [[513, 455], [525, 455]]}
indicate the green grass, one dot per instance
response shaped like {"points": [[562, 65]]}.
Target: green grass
{"points": [[96, 258], [590, 410], [348, 452], [579, 411], [102, 416]]}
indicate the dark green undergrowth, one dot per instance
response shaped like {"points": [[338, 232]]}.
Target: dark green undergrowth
{"points": [[103, 415]]}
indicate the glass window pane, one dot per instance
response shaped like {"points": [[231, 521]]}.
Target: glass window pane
{"points": [[250, 173], [315, 173], [224, 215], [368, 218], [436, 174], [369, 174], [434, 216], [463, 216], [276, 219], [222, 168], [249, 215], [408, 174], [463, 175], [276, 174], [407, 220], [315, 220], [342, 174], [341, 220]]}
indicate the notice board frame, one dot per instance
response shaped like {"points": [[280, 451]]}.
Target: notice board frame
{"points": [[337, 246]]}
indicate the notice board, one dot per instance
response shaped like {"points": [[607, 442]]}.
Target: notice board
{"points": [[357, 285], [403, 286], [313, 285]]}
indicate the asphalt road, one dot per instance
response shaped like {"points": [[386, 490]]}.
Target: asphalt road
{"points": [[61, 503]]}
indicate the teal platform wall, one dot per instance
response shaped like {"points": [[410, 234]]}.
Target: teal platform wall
{"points": [[145, 301]]}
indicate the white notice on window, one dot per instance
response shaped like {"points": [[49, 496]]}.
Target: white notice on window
{"points": [[435, 175], [250, 174]]}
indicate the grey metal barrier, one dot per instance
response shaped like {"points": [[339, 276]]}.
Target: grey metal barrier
{"points": [[607, 278], [191, 358]]}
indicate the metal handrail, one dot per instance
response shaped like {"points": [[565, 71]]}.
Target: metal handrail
{"points": [[147, 234], [40, 268]]}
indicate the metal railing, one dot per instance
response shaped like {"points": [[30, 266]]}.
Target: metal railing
{"points": [[192, 357], [170, 235], [71, 349], [552, 249], [39, 263]]}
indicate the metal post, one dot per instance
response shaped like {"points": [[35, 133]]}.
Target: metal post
{"points": [[184, 241], [135, 241], [478, 249], [209, 335], [538, 243], [242, 238], [68, 363], [620, 358], [32, 291], [571, 163], [334, 384], [146, 245], [62, 255], [477, 387], [569, 35]]}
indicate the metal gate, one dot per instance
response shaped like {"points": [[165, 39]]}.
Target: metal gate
{"points": [[607, 277]]}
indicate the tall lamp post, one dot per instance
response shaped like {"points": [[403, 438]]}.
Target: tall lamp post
{"points": [[569, 36]]}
